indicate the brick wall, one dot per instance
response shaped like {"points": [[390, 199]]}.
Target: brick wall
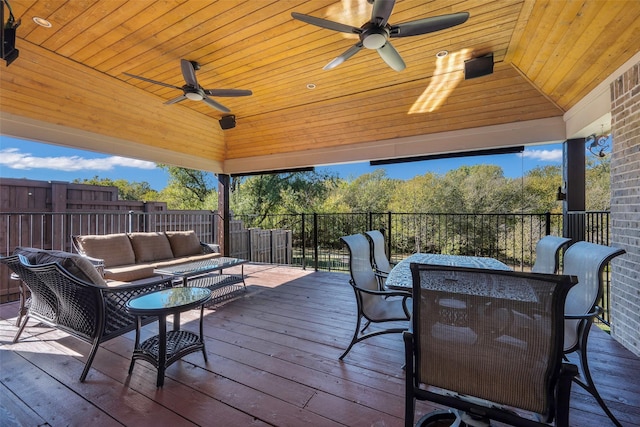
{"points": [[625, 208]]}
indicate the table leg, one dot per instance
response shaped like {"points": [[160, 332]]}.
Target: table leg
{"points": [[162, 348], [137, 343], [204, 351]]}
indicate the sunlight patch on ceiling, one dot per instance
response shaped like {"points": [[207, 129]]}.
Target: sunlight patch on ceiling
{"points": [[350, 12], [448, 73]]}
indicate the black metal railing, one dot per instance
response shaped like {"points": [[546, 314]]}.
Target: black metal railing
{"points": [[315, 238]]}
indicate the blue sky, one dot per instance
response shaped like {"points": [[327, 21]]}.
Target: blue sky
{"points": [[44, 162]]}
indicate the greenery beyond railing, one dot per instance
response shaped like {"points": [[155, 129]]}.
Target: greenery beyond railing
{"points": [[315, 238]]}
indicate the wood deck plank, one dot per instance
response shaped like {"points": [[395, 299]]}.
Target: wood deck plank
{"points": [[273, 360]]}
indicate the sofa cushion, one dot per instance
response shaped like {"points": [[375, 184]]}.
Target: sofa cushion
{"points": [[128, 273], [149, 247], [184, 243], [75, 264], [113, 249]]}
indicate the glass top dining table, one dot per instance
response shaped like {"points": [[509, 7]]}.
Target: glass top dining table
{"points": [[400, 276]]}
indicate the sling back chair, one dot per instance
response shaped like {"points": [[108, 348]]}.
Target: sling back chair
{"points": [[496, 355], [548, 254], [374, 305], [379, 259], [587, 261], [68, 294]]}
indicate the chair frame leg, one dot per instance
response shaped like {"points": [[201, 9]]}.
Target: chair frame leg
{"points": [[92, 354], [589, 386], [25, 319]]}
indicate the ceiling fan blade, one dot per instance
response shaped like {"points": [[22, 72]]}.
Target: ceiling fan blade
{"points": [[325, 23], [152, 81], [176, 99], [228, 92], [346, 55], [188, 73], [428, 25], [216, 105], [382, 11], [390, 55]]}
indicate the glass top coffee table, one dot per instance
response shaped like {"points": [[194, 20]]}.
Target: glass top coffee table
{"points": [[167, 347], [208, 273]]}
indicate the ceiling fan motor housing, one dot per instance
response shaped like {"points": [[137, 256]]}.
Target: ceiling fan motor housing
{"points": [[374, 36]]}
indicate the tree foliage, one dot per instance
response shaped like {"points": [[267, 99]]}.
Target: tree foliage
{"points": [[295, 192], [189, 189], [126, 190]]}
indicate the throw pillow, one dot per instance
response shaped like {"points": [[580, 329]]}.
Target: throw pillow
{"points": [[113, 249], [149, 247], [184, 243]]}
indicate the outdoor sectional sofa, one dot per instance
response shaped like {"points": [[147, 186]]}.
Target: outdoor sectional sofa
{"points": [[134, 256]]}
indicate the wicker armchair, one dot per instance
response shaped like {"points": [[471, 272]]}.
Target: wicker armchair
{"points": [[70, 302]]}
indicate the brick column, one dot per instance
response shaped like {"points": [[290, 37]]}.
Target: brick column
{"points": [[625, 208]]}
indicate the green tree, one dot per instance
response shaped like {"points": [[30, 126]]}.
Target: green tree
{"points": [[283, 193], [598, 184], [189, 189], [370, 192], [127, 190]]}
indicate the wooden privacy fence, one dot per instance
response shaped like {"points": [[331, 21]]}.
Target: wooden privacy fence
{"points": [[257, 245]]}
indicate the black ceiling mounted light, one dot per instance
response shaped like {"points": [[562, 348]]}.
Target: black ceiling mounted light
{"points": [[375, 33], [193, 91], [8, 34]]}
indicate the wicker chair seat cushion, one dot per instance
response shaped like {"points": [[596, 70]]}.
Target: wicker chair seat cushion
{"points": [[77, 265], [113, 249], [184, 243], [149, 247]]}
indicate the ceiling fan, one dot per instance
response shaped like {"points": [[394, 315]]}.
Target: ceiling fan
{"points": [[375, 33], [193, 91]]}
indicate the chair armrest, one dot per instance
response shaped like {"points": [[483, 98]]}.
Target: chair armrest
{"points": [[596, 311], [117, 318]]}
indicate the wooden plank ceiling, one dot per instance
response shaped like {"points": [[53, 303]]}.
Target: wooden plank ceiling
{"points": [[548, 55]]}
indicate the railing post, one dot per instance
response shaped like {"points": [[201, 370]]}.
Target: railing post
{"points": [[370, 226], [315, 242], [547, 230], [389, 234], [304, 243]]}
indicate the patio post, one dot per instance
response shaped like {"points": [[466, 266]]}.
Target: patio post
{"points": [[574, 175], [223, 213]]}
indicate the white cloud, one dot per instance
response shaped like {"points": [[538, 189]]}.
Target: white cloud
{"points": [[544, 155], [14, 159]]}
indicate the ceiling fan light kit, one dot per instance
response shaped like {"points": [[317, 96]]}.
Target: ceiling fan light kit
{"points": [[375, 33]]}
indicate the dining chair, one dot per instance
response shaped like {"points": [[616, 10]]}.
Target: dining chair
{"points": [[548, 254], [373, 305], [587, 261], [491, 366], [379, 260]]}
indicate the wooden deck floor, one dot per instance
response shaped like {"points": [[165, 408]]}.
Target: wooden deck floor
{"points": [[273, 360]]}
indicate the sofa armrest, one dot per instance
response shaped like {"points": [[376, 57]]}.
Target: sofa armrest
{"points": [[210, 248]]}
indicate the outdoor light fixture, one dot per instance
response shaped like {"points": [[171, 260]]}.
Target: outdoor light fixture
{"points": [[597, 144], [8, 35]]}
